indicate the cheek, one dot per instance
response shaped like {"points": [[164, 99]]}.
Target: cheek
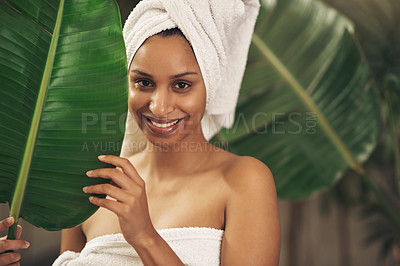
{"points": [[136, 101], [195, 106], [131, 101], [202, 101]]}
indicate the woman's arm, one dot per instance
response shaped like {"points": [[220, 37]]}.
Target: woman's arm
{"points": [[252, 228], [72, 239], [130, 205]]}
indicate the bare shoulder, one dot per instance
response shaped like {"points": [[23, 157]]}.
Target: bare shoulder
{"points": [[252, 223], [245, 172], [248, 163], [250, 181]]}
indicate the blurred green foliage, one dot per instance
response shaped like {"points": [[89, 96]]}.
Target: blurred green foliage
{"points": [[377, 26]]}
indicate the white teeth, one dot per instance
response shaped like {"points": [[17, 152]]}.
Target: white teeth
{"points": [[164, 125]]}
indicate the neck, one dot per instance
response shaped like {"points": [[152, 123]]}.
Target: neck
{"points": [[180, 159]]}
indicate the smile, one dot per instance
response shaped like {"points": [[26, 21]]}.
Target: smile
{"points": [[162, 127]]}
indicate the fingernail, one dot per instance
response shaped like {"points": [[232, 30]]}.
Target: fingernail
{"points": [[27, 244], [101, 157], [84, 189], [89, 172], [9, 220], [91, 197]]}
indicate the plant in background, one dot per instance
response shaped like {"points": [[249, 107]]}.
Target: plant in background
{"points": [[307, 108], [63, 102], [377, 27], [311, 109]]}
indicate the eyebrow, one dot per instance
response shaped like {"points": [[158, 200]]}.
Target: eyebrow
{"points": [[171, 77], [182, 74]]}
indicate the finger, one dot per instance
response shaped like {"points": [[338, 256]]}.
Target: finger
{"points": [[118, 177], [9, 244], [111, 205], [109, 190], [125, 165], [19, 231], [9, 258], [17, 236], [6, 223]]}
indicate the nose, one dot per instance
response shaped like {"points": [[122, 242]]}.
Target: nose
{"points": [[161, 103]]}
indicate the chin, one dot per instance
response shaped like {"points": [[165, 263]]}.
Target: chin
{"points": [[165, 144]]}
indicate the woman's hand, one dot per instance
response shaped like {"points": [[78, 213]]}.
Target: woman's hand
{"points": [[10, 258], [130, 204]]}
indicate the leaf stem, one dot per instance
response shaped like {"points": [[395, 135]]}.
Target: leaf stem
{"points": [[12, 231], [30, 144]]}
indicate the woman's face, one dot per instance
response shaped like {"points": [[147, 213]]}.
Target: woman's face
{"points": [[167, 92]]}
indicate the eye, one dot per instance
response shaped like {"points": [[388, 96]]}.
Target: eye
{"points": [[182, 85], [142, 83]]}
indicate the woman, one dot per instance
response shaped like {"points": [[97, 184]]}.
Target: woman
{"points": [[180, 200]]}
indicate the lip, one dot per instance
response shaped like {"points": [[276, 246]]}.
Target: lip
{"points": [[162, 130]]}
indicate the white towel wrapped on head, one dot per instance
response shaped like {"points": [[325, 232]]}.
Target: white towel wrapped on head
{"points": [[220, 33]]}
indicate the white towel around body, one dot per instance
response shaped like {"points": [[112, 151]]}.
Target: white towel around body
{"points": [[193, 245]]}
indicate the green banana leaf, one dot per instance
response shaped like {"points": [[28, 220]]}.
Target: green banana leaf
{"points": [[376, 26], [63, 102], [307, 107]]}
